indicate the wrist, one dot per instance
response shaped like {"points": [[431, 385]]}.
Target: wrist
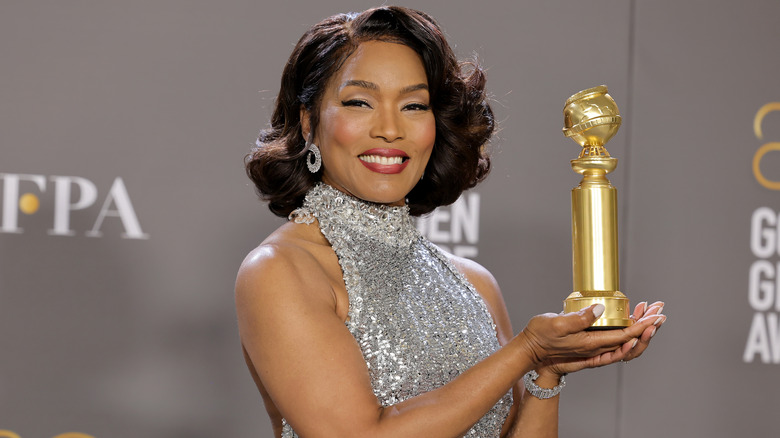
{"points": [[526, 345], [548, 378], [538, 391]]}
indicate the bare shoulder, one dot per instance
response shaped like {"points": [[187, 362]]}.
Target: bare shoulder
{"points": [[285, 248], [288, 262]]}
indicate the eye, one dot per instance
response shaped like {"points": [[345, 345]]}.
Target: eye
{"points": [[356, 103], [417, 107]]}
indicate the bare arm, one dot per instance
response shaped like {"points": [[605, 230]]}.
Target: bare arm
{"points": [[316, 376]]}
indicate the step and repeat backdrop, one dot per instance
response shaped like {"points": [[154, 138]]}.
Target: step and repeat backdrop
{"points": [[125, 212]]}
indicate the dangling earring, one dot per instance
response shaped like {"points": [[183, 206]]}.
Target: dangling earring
{"points": [[314, 158]]}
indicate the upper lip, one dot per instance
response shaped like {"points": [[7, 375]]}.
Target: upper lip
{"points": [[384, 152]]}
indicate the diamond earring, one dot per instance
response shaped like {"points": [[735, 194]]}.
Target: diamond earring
{"points": [[314, 158]]}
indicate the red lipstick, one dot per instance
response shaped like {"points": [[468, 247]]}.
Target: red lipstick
{"points": [[382, 160]]}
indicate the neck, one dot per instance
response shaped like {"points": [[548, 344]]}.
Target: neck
{"points": [[337, 210]]}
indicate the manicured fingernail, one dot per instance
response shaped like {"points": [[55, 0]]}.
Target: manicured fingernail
{"points": [[661, 310], [598, 310], [653, 332], [636, 341], [643, 306], [659, 319]]}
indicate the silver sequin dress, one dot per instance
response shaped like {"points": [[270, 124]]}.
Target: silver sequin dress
{"points": [[418, 321]]}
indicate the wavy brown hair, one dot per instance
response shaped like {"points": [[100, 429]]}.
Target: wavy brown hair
{"points": [[464, 119]]}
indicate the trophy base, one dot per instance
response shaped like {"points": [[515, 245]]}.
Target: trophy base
{"points": [[616, 312]]}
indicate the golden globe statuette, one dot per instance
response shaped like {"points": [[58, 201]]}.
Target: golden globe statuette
{"points": [[591, 118]]}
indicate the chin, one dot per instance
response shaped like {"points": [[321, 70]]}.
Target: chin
{"points": [[389, 195], [376, 189], [386, 200]]}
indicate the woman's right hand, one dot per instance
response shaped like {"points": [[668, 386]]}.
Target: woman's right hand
{"points": [[552, 335]]}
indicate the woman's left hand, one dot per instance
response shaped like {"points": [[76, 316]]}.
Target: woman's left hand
{"points": [[628, 351]]}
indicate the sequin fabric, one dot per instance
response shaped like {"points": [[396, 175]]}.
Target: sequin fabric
{"points": [[418, 321]]}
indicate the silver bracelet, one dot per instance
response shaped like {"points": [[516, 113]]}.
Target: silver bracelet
{"points": [[539, 392]]}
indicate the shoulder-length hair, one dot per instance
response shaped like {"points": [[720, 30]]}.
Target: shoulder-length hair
{"points": [[464, 119]]}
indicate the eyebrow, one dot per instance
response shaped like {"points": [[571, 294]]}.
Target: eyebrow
{"points": [[361, 84], [374, 87], [410, 88]]}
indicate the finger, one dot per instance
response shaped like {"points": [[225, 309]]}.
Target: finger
{"points": [[571, 364], [643, 309], [654, 309], [574, 364], [607, 358], [648, 320], [637, 351], [607, 340], [660, 304], [575, 322], [639, 346], [618, 355], [645, 328], [636, 330], [639, 310], [651, 331], [630, 345], [644, 341]]}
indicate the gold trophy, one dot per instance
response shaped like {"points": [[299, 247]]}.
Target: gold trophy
{"points": [[591, 118]]}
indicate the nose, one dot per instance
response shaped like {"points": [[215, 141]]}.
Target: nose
{"points": [[387, 125]]}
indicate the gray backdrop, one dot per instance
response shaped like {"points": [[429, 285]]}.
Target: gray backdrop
{"points": [[125, 210]]}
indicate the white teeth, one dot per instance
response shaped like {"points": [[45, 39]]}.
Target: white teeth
{"points": [[378, 159]]}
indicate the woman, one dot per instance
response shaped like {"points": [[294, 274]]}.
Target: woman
{"points": [[352, 323]]}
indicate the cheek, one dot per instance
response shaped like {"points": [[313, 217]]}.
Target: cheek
{"points": [[427, 136], [340, 130]]}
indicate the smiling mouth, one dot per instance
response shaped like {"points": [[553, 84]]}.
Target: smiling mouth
{"points": [[378, 159], [386, 161]]}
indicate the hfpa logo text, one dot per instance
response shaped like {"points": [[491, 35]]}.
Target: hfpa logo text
{"points": [[22, 194]]}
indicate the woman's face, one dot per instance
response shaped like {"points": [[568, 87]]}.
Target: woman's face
{"points": [[376, 129]]}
